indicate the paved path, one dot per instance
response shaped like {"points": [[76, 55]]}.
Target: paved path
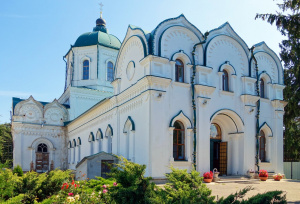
{"points": [[291, 187]]}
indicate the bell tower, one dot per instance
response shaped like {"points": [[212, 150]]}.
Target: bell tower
{"points": [[90, 65]]}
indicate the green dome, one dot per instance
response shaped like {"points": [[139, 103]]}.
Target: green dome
{"points": [[98, 37]]}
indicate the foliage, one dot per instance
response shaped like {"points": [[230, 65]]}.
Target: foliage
{"points": [[18, 170], [268, 197], [208, 175], [288, 23], [132, 186], [7, 164], [263, 173], [8, 183], [6, 142], [185, 188], [80, 193]]}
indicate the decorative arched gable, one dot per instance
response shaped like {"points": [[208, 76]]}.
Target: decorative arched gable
{"points": [[227, 30], [164, 25], [99, 134], [267, 60], [177, 38], [267, 130], [224, 48], [129, 124], [133, 50], [30, 110], [91, 137], [109, 131], [134, 30], [55, 113], [183, 118]]}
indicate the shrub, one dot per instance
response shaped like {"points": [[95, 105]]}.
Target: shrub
{"points": [[132, 186], [18, 170], [8, 182], [268, 197], [185, 188]]}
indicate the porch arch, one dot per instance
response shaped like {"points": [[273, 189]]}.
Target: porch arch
{"points": [[34, 152]]}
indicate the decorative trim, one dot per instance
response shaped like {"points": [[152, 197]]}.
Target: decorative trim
{"points": [[266, 127], [99, 132], [91, 137], [107, 129], [180, 115], [129, 119], [79, 141]]}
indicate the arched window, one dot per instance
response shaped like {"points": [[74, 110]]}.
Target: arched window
{"points": [[179, 71], [225, 80], [262, 88], [110, 71], [86, 68], [215, 131], [262, 146], [42, 148], [178, 141]]}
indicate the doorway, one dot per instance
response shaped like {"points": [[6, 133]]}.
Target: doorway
{"points": [[218, 150], [42, 158]]}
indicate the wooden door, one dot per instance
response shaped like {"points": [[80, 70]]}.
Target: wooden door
{"points": [[223, 158], [216, 155], [42, 162]]}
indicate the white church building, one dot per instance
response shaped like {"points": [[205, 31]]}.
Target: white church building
{"points": [[173, 96]]}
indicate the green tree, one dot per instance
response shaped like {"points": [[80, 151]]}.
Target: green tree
{"points": [[5, 143], [287, 22]]}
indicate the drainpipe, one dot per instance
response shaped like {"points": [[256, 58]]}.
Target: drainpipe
{"points": [[258, 109], [66, 72], [193, 98]]}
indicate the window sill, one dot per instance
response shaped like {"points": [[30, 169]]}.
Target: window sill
{"points": [[266, 100], [229, 93], [182, 84], [266, 163], [181, 163]]}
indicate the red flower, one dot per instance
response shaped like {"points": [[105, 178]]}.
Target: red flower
{"points": [[263, 173], [65, 185], [70, 194], [73, 182], [208, 175]]}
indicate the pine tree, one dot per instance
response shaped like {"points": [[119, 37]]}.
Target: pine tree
{"points": [[287, 22]]}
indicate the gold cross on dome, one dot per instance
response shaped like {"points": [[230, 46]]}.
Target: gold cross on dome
{"points": [[101, 8]]}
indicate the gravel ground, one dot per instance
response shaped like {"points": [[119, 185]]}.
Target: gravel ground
{"points": [[291, 187]]}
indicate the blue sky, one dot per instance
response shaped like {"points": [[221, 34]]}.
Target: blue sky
{"points": [[36, 34]]}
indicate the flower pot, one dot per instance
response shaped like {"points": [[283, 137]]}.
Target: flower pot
{"points": [[263, 178], [207, 180], [277, 179], [216, 174]]}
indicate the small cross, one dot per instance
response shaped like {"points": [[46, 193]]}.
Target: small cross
{"points": [[101, 8]]}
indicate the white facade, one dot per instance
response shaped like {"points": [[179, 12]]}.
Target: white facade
{"points": [[150, 98]]}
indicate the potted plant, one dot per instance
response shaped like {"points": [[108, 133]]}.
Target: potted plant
{"points": [[278, 177], [263, 175], [251, 173], [208, 177]]}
